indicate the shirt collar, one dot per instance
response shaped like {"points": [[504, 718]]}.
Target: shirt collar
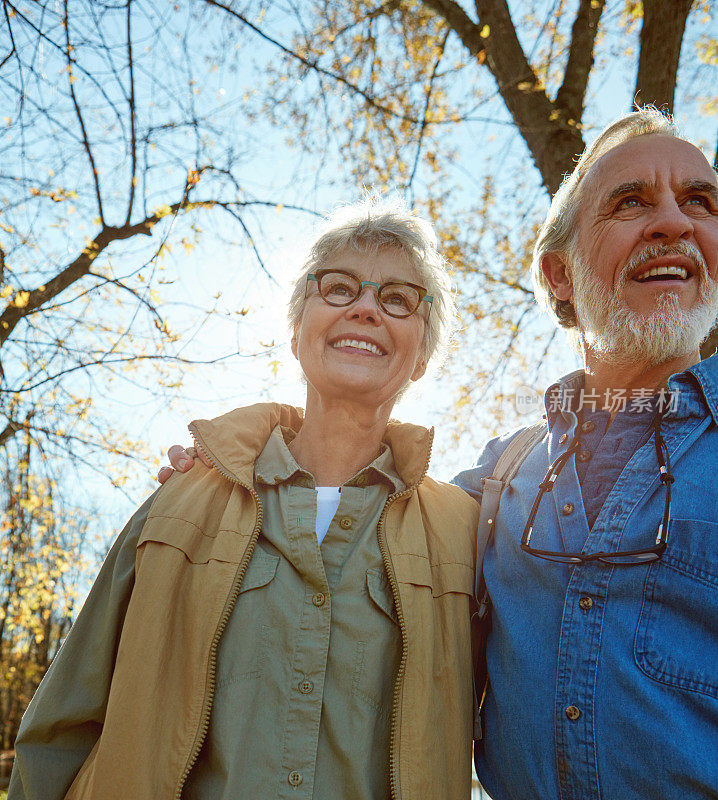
{"points": [[695, 389], [276, 464]]}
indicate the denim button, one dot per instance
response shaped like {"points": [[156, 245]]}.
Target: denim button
{"points": [[584, 456], [567, 509], [563, 439], [585, 603], [573, 713], [588, 426]]}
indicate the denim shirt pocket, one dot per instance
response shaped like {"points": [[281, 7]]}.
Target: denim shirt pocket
{"points": [[677, 636]]}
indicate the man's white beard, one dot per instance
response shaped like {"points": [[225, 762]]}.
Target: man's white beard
{"points": [[619, 335]]}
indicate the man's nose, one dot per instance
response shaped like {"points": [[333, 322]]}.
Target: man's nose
{"points": [[668, 222]]}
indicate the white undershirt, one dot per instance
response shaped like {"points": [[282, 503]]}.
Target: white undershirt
{"points": [[327, 505]]}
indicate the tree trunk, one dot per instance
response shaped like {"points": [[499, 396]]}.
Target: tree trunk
{"points": [[664, 22]]}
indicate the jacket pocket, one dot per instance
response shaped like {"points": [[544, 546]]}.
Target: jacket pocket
{"points": [[677, 636]]}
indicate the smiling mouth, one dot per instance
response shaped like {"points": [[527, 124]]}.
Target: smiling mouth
{"points": [[359, 344], [670, 273]]}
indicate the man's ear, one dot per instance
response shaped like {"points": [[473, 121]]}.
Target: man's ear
{"points": [[555, 270], [294, 341]]}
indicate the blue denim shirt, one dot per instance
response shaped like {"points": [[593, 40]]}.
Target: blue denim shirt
{"points": [[604, 679]]}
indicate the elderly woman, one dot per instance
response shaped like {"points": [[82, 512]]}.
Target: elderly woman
{"points": [[293, 623]]}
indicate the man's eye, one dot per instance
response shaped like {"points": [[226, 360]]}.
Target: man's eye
{"points": [[629, 202], [698, 200]]}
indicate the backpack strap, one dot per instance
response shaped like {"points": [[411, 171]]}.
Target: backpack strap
{"points": [[506, 467]]}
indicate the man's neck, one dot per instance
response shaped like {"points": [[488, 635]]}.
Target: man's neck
{"points": [[337, 440], [604, 377]]}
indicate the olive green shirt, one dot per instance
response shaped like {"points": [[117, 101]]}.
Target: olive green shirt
{"points": [[306, 665]]}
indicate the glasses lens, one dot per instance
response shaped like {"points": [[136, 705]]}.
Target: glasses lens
{"points": [[633, 558], [339, 289], [399, 299]]}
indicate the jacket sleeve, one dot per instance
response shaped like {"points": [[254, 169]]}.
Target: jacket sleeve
{"points": [[65, 717]]}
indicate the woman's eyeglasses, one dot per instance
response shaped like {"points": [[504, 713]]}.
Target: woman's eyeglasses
{"points": [[396, 298], [625, 557]]}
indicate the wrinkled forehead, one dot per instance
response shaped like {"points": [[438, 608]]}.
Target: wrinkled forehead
{"points": [[653, 161], [375, 264]]}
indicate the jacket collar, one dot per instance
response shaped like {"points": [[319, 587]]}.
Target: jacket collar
{"points": [[234, 440]]}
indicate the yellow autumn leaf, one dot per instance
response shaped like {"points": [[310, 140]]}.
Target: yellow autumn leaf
{"points": [[21, 299], [485, 31]]}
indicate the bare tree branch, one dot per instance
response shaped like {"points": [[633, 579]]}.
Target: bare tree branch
{"points": [[570, 96], [81, 121], [131, 104]]}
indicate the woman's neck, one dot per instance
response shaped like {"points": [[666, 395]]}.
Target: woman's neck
{"points": [[338, 439]]}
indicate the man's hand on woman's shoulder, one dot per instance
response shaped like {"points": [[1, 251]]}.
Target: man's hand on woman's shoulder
{"points": [[181, 460]]}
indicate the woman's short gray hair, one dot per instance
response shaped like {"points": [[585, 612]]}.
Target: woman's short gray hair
{"points": [[558, 232], [375, 224]]}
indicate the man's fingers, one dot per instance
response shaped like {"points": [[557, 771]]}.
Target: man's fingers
{"points": [[164, 473], [179, 458]]}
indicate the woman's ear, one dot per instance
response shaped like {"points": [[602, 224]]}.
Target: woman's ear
{"points": [[294, 341], [555, 270], [419, 369]]}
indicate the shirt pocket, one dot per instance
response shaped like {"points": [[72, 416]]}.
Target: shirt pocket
{"points": [[377, 648], [379, 589], [244, 645], [677, 637]]}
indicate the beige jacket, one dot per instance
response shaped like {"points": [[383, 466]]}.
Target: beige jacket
{"points": [[191, 558]]}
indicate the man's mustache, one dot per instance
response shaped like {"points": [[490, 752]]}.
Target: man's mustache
{"points": [[686, 249]]}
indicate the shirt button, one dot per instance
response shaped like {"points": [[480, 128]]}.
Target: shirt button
{"points": [[563, 439], [584, 456], [345, 523], [318, 599], [306, 687], [567, 509], [573, 713], [585, 603], [294, 778], [588, 426]]}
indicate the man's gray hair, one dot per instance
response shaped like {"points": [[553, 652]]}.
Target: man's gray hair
{"points": [[559, 230], [370, 226]]}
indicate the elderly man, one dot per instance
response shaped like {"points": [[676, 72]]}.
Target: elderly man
{"points": [[603, 571]]}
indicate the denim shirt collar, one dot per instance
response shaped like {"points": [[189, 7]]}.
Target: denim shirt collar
{"points": [[696, 391], [697, 388]]}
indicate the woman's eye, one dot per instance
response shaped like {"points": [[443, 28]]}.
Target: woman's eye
{"points": [[339, 288], [396, 299]]}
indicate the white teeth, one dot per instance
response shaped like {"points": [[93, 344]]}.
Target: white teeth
{"points": [[674, 272], [361, 345]]}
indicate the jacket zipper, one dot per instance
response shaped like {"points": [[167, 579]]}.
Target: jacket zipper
{"points": [[389, 567], [229, 605]]}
